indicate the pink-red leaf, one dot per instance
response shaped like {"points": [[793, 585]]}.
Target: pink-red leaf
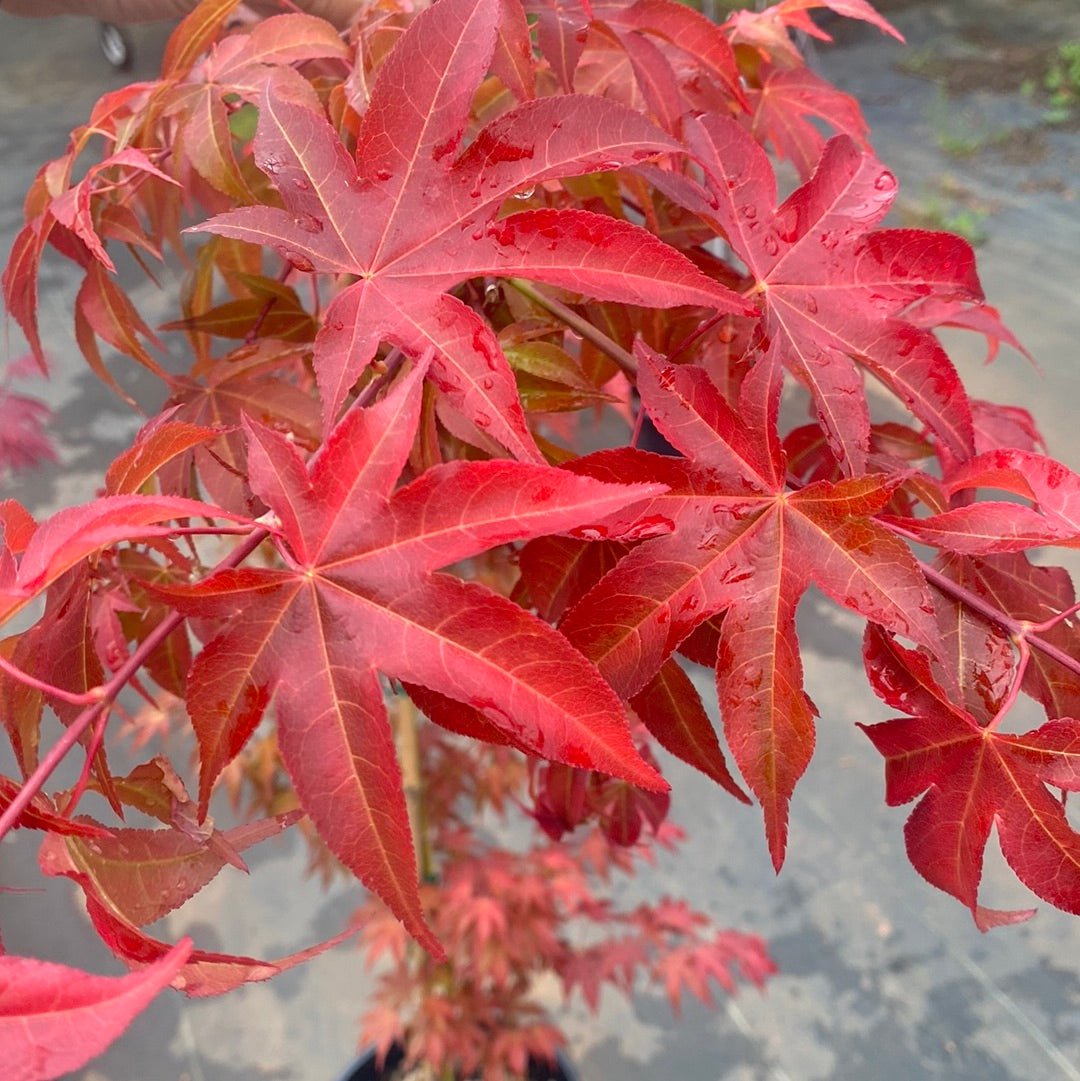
{"points": [[359, 596], [54, 1019]]}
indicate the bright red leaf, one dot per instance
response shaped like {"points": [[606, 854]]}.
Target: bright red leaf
{"points": [[360, 219], [744, 545], [358, 596], [832, 290], [974, 778]]}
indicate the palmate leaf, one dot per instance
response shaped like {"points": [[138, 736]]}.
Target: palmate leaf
{"points": [[416, 214], [974, 778], [359, 596], [744, 545], [832, 290]]}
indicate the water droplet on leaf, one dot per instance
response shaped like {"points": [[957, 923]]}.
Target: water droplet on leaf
{"points": [[271, 164], [308, 222]]}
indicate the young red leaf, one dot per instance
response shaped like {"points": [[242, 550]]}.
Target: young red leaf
{"points": [[975, 777], [990, 527], [54, 1019], [359, 596], [206, 972], [24, 441], [157, 443], [683, 37], [727, 955], [356, 219], [142, 875], [1054, 488], [745, 546], [1023, 591], [768, 29], [196, 32]]}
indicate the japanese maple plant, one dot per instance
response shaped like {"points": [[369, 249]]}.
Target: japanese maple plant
{"points": [[362, 553]]}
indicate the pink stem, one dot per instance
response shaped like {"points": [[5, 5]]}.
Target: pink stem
{"points": [[1016, 628], [105, 694], [84, 699]]}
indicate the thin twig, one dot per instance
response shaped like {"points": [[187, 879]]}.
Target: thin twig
{"points": [[107, 692], [1016, 628], [576, 323]]}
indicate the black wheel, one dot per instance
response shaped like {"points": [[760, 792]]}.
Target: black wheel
{"points": [[115, 46]]}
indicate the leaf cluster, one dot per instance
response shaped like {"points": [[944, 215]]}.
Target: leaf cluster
{"points": [[417, 271]]}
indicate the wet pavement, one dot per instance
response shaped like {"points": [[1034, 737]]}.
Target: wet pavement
{"points": [[882, 978]]}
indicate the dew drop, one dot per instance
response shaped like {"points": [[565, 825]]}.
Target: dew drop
{"points": [[748, 211], [526, 193], [653, 526], [771, 245], [487, 382], [383, 174], [811, 304], [492, 293], [272, 164], [308, 222], [299, 262], [787, 223], [301, 184], [482, 420], [590, 533], [666, 377], [885, 182]]}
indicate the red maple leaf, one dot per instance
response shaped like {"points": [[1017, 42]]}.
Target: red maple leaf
{"points": [[974, 777], [415, 215], [996, 526], [741, 543], [358, 595], [833, 291]]}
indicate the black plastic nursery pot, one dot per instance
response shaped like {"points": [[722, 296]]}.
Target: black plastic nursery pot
{"points": [[366, 1069]]}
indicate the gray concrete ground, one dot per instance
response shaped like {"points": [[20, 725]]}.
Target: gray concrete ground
{"points": [[883, 979]]}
